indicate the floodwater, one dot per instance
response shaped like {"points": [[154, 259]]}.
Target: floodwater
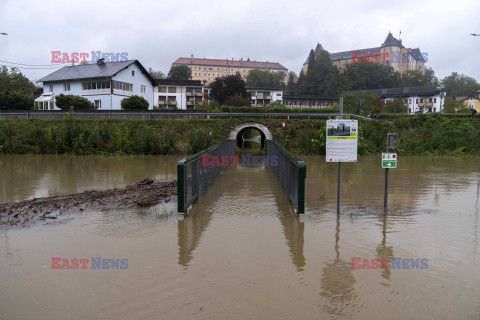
{"points": [[242, 252]]}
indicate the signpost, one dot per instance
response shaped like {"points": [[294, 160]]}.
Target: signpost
{"points": [[389, 161], [284, 139], [342, 143]]}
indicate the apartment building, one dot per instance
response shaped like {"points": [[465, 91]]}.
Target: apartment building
{"points": [[183, 94], [206, 70], [264, 96], [392, 53], [417, 99], [308, 102]]}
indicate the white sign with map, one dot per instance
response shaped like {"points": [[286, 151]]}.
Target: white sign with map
{"points": [[342, 140]]}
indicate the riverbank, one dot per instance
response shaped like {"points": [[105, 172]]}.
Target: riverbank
{"points": [[418, 135], [28, 212]]}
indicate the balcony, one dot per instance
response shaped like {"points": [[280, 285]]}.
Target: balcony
{"points": [[189, 94], [259, 96], [161, 103], [268, 97], [425, 104], [198, 94], [190, 103], [172, 102]]}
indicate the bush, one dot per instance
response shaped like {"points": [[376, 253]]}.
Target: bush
{"points": [[395, 106], [65, 101], [134, 103], [16, 101], [237, 101], [198, 140]]}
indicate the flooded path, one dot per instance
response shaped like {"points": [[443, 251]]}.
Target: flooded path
{"points": [[242, 252]]}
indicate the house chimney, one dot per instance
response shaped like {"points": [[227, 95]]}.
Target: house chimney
{"points": [[191, 58], [101, 61]]}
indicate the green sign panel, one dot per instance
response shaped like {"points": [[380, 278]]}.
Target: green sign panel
{"points": [[389, 160]]}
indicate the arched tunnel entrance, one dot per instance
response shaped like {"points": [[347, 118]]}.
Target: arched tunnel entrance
{"points": [[250, 137], [248, 133]]}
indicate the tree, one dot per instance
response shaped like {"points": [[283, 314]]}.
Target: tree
{"points": [[300, 87], [180, 72], [367, 76], [416, 78], [371, 103], [156, 74], [320, 78], [134, 103], [265, 79], [460, 85], [16, 101], [291, 86], [65, 101], [14, 81], [452, 106], [395, 106], [227, 87]]}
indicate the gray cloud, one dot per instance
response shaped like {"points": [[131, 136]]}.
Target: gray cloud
{"points": [[158, 32]]}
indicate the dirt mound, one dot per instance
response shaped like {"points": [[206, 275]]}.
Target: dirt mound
{"points": [[144, 193]]}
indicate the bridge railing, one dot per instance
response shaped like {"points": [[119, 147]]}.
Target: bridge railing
{"points": [[193, 179], [291, 172]]}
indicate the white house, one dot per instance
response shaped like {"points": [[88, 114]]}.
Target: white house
{"points": [[106, 84], [417, 99], [183, 94], [264, 96]]}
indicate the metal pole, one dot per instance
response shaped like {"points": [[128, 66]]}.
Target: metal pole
{"points": [[339, 186], [339, 183], [385, 200]]}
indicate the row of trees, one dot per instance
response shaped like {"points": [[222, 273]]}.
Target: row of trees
{"points": [[324, 78]]}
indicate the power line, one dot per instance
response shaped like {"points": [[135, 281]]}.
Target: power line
{"points": [[33, 65], [36, 68]]}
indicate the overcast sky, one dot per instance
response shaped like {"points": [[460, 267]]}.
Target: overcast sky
{"points": [[158, 32]]}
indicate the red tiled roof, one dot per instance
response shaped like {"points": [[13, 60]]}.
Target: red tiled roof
{"points": [[230, 63]]}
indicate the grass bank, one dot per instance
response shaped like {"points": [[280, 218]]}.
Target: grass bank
{"points": [[418, 135]]}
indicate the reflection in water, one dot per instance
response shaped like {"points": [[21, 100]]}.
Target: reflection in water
{"points": [[384, 251], [233, 182], [338, 283]]}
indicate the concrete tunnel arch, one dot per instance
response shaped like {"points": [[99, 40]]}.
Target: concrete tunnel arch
{"points": [[237, 132]]}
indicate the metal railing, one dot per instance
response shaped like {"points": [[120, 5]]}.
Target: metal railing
{"points": [[193, 179], [291, 172], [152, 115]]}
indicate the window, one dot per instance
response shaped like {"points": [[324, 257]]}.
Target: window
{"points": [[98, 104], [172, 89], [66, 86], [417, 101], [409, 101], [122, 86], [434, 100], [133, 73], [162, 89], [430, 100], [143, 89], [421, 100], [95, 85], [50, 88]]}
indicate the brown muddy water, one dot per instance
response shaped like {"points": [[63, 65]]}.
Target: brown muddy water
{"points": [[241, 252]]}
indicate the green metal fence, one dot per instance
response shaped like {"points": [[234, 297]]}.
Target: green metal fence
{"points": [[193, 179], [291, 172]]}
